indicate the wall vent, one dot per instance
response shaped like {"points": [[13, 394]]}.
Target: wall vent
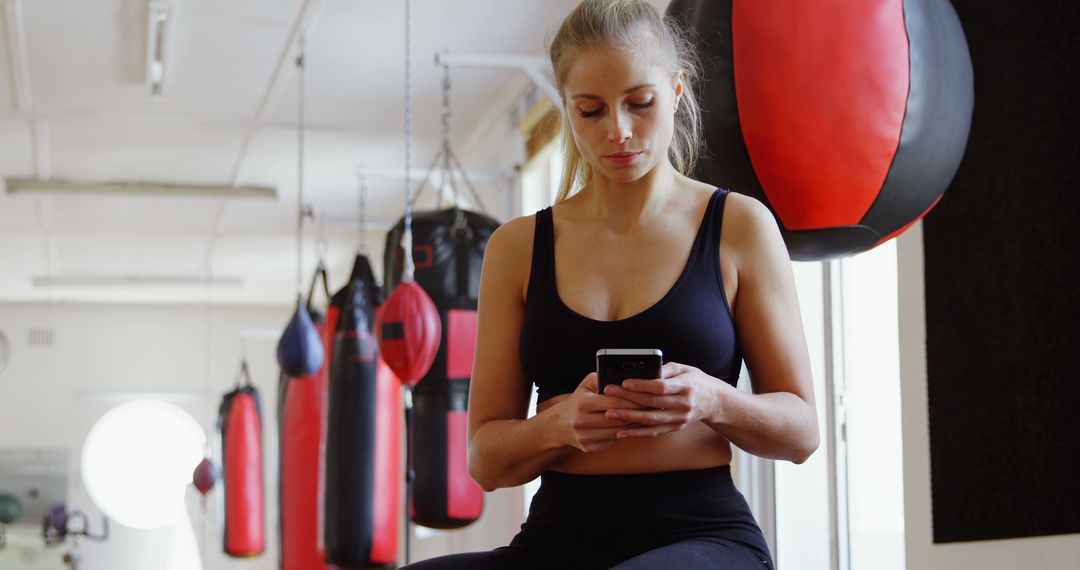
{"points": [[41, 337]]}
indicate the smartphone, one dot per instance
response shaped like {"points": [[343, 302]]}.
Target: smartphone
{"points": [[613, 365]]}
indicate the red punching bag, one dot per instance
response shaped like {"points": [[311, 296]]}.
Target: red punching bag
{"points": [[408, 332], [240, 430], [848, 119], [205, 476], [300, 431]]}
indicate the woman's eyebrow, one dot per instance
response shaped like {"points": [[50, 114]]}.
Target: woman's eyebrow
{"points": [[630, 90]]}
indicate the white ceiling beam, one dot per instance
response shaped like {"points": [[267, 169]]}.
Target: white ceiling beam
{"points": [[18, 62], [307, 9], [138, 188], [337, 224], [128, 280]]}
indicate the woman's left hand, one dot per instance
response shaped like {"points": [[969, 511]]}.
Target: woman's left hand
{"points": [[682, 396]]}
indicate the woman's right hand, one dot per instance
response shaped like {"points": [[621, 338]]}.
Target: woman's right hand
{"points": [[581, 421]]}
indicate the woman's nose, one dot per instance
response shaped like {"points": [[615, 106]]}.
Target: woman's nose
{"points": [[619, 128]]}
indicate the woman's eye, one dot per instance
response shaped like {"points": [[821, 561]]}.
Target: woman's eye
{"points": [[644, 105], [592, 113]]}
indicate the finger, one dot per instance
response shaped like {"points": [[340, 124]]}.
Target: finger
{"points": [[603, 434], [599, 403], [654, 417], [598, 421], [647, 431], [638, 398], [657, 387], [670, 369], [646, 398]]}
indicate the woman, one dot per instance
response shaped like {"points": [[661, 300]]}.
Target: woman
{"points": [[640, 257]]}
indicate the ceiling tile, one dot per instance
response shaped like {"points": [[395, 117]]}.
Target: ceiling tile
{"points": [[23, 253], [83, 254], [104, 214], [93, 150], [90, 56], [16, 158], [6, 101], [18, 212]]}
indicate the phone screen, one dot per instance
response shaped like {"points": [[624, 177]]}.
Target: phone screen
{"points": [[614, 368]]}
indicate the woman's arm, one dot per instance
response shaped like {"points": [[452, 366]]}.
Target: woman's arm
{"points": [[505, 449], [777, 421]]}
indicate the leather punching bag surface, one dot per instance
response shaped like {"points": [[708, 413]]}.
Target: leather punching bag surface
{"points": [[448, 250], [848, 119], [300, 348], [240, 428], [363, 437], [300, 430]]}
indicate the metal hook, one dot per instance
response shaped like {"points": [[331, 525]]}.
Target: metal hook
{"points": [[243, 378]]}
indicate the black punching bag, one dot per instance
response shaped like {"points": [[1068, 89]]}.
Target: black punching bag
{"points": [[448, 250], [848, 119], [363, 433]]}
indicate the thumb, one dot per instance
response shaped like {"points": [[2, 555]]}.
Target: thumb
{"points": [[588, 384], [670, 369]]}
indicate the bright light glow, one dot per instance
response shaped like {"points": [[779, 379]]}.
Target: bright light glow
{"points": [[138, 459]]}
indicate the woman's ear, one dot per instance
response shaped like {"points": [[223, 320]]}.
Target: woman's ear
{"points": [[678, 88]]}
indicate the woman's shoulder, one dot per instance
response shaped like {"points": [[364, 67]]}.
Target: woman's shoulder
{"points": [[746, 212], [508, 254], [514, 235], [750, 231]]}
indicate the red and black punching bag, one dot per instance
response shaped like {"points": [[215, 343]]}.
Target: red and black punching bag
{"points": [[363, 476], [300, 437], [240, 429], [448, 250], [848, 119]]}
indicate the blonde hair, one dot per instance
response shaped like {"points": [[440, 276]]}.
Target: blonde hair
{"points": [[623, 24]]}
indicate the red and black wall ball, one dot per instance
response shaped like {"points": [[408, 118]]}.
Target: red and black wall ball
{"points": [[848, 119]]}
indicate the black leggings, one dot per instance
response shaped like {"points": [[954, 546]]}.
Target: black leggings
{"points": [[673, 519]]}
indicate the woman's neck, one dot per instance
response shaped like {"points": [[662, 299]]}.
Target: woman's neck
{"points": [[624, 206]]}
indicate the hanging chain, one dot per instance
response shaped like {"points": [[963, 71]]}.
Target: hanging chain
{"points": [[362, 248], [447, 174], [300, 167], [322, 244], [410, 267]]}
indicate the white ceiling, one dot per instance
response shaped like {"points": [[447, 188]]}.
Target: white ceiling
{"points": [[73, 106]]}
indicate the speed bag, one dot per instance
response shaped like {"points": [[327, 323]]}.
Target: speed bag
{"points": [[240, 428], [847, 119], [448, 251], [363, 476], [300, 434]]}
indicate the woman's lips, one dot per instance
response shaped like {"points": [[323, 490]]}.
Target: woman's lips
{"points": [[623, 157]]}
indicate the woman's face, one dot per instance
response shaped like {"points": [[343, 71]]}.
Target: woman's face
{"points": [[621, 107]]}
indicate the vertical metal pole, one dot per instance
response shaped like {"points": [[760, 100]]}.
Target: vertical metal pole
{"points": [[410, 475], [835, 416]]}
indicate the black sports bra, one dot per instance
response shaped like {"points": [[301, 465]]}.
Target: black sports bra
{"points": [[691, 324]]}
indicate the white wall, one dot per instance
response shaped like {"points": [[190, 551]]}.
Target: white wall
{"points": [[1040, 553], [802, 491], [168, 349], [129, 348]]}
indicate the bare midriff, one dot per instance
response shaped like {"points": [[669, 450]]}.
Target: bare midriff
{"points": [[697, 446]]}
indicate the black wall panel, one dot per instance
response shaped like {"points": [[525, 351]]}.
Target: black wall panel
{"points": [[1002, 254]]}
